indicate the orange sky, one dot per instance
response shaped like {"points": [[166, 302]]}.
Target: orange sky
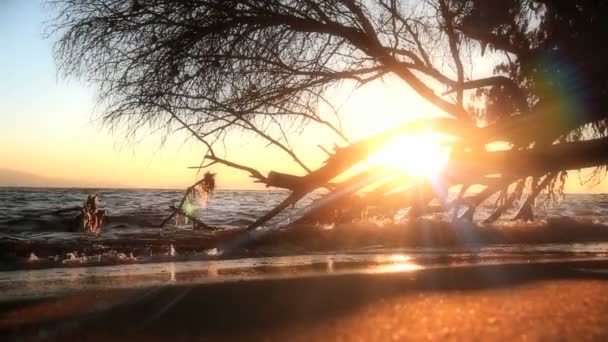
{"points": [[46, 124], [65, 142]]}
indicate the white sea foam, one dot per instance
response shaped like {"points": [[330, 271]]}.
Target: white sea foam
{"points": [[33, 257], [213, 252]]}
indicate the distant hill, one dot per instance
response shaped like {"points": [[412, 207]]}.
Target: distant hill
{"points": [[10, 177], [17, 178]]}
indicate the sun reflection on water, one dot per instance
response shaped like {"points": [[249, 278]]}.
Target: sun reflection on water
{"points": [[395, 263]]}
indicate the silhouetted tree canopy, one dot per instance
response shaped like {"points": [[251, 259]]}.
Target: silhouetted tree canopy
{"points": [[260, 65]]}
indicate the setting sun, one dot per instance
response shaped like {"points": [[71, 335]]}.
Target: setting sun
{"points": [[416, 155]]}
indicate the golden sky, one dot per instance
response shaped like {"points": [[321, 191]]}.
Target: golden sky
{"points": [[47, 126]]}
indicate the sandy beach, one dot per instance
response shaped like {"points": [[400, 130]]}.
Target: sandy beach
{"points": [[562, 300]]}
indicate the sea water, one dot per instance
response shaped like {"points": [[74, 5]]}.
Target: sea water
{"points": [[33, 234]]}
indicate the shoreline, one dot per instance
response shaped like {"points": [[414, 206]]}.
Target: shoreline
{"points": [[538, 300], [153, 246], [57, 282]]}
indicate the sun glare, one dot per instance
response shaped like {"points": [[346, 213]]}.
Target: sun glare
{"points": [[416, 155]]}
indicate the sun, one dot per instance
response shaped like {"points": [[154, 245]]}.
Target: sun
{"points": [[422, 154]]}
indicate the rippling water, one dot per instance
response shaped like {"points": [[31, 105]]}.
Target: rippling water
{"points": [[29, 235], [227, 208], [29, 213]]}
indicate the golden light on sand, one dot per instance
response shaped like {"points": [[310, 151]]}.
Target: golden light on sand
{"points": [[416, 155]]}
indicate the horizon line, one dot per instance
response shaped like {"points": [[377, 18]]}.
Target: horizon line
{"points": [[2, 187]]}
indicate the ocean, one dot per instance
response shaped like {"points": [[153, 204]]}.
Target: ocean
{"points": [[34, 233]]}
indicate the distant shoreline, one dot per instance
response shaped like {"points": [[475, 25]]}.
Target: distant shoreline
{"points": [[104, 188], [123, 188]]}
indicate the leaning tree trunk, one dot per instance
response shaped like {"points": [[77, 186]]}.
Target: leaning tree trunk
{"points": [[470, 164]]}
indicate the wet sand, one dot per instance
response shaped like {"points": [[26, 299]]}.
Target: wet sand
{"points": [[549, 301]]}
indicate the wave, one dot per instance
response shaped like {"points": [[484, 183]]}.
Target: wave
{"points": [[41, 221], [133, 245]]}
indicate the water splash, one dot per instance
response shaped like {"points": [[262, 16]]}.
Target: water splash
{"points": [[213, 252], [33, 257]]}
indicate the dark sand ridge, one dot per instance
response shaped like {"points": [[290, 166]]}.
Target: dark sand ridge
{"points": [[538, 301]]}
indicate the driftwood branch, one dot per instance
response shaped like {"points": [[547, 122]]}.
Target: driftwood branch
{"points": [[91, 217], [526, 212], [207, 185]]}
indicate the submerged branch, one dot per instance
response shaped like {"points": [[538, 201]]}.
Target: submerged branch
{"points": [[207, 186]]}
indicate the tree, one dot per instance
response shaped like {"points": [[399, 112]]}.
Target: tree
{"points": [[212, 67]]}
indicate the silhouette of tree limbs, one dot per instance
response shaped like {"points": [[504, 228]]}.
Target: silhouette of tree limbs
{"points": [[265, 67]]}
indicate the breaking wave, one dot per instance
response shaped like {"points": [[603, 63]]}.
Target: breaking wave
{"points": [[36, 224]]}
